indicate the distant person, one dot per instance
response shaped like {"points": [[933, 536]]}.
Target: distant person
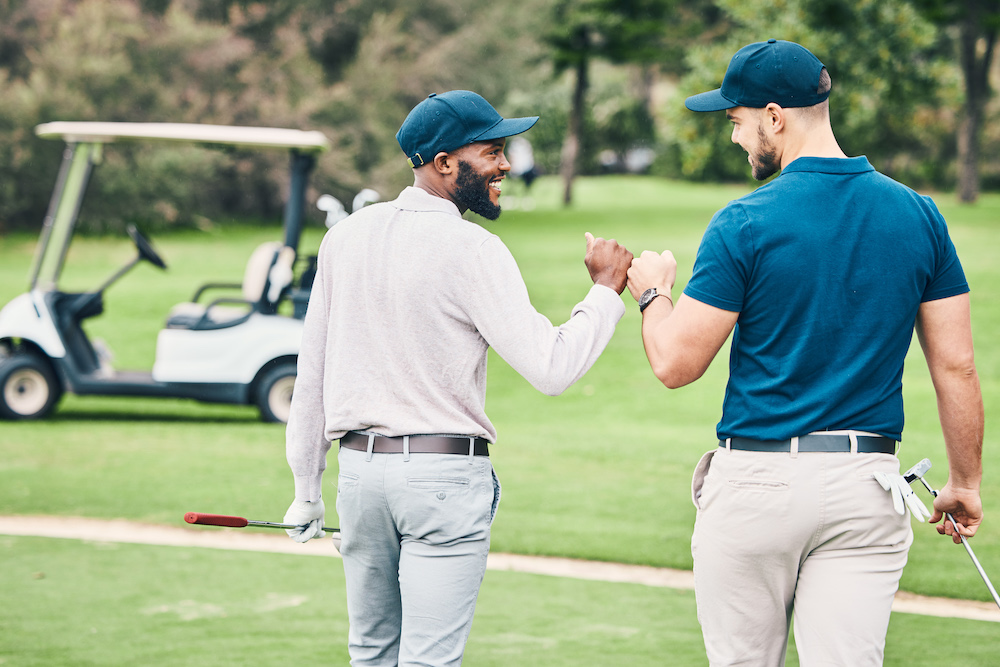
{"points": [[820, 276], [522, 160], [522, 166], [407, 300]]}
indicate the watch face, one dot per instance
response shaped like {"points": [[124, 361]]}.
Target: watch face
{"points": [[647, 296]]}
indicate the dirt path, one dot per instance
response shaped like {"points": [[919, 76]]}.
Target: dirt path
{"points": [[96, 530]]}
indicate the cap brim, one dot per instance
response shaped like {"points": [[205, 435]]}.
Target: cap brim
{"points": [[508, 127], [710, 101]]}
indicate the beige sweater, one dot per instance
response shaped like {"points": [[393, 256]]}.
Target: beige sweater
{"points": [[408, 298]]}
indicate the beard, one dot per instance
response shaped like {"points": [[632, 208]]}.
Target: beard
{"points": [[765, 164], [472, 190]]}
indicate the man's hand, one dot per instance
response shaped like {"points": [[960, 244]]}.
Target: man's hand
{"points": [[963, 504], [651, 269], [607, 262], [308, 516]]}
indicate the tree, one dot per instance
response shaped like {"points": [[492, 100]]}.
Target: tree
{"points": [[620, 31], [974, 25], [889, 77]]}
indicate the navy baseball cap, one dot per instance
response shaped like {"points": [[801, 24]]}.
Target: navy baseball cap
{"points": [[773, 71], [451, 120]]}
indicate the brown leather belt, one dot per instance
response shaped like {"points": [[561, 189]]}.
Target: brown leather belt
{"points": [[419, 444]]}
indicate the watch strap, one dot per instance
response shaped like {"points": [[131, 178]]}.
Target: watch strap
{"points": [[644, 306]]}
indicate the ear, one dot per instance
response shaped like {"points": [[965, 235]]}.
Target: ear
{"points": [[774, 118], [445, 163]]}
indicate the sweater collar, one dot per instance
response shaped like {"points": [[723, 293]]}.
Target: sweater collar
{"points": [[417, 199]]}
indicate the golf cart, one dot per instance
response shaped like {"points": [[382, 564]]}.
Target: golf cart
{"points": [[236, 348]]}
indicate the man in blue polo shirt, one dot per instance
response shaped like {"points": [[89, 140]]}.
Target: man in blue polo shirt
{"points": [[821, 276]]}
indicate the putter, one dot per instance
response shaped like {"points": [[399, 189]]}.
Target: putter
{"points": [[917, 472], [239, 522]]}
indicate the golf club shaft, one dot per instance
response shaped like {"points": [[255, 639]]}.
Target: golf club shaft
{"points": [[268, 524], [968, 547], [239, 522], [975, 561]]}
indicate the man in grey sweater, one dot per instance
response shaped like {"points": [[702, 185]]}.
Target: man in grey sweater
{"points": [[408, 298]]}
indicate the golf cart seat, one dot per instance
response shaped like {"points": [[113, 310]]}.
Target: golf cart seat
{"points": [[268, 273]]}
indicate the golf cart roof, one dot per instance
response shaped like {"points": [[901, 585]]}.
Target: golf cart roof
{"points": [[256, 137], [85, 145]]}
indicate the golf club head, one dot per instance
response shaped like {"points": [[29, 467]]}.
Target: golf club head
{"points": [[363, 198], [333, 207], [917, 471]]}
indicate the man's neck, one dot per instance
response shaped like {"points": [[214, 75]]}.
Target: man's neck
{"points": [[437, 189], [818, 143]]}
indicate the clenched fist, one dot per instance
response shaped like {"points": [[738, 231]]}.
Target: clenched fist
{"points": [[607, 262], [651, 269]]}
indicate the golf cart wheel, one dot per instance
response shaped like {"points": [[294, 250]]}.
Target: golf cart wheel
{"points": [[29, 388], [274, 392]]}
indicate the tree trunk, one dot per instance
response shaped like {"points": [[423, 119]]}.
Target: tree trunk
{"points": [[571, 147], [975, 72], [647, 78]]}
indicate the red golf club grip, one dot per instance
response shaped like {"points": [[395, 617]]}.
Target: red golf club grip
{"points": [[216, 520]]}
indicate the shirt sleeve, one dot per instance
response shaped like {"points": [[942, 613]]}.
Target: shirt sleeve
{"points": [[949, 277], [550, 357], [306, 446], [724, 263]]}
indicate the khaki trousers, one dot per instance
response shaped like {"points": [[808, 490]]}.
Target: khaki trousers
{"points": [[811, 537]]}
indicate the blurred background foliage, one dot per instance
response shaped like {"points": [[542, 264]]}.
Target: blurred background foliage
{"points": [[608, 78]]}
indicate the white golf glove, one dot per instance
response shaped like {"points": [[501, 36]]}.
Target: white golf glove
{"points": [[308, 516], [902, 495]]}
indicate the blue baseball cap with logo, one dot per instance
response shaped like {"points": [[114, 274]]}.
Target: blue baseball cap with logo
{"points": [[776, 71], [451, 120]]}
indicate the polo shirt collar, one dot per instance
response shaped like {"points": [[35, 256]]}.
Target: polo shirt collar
{"points": [[830, 165], [418, 199]]}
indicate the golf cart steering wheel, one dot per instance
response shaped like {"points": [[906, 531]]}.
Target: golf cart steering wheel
{"points": [[145, 248]]}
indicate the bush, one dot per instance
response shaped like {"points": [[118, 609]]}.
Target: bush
{"points": [[108, 61]]}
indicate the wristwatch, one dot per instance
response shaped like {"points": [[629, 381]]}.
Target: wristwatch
{"points": [[647, 298]]}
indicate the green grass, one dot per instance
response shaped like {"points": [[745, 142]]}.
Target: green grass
{"points": [[601, 472], [69, 603]]}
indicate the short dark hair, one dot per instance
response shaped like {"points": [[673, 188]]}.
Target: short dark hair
{"points": [[825, 83]]}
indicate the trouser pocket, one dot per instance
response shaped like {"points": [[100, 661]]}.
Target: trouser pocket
{"points": [[698, 479], [496, 495]]}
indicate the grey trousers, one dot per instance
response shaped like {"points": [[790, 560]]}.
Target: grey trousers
{"points": [[415, 536], [812, 537]]}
